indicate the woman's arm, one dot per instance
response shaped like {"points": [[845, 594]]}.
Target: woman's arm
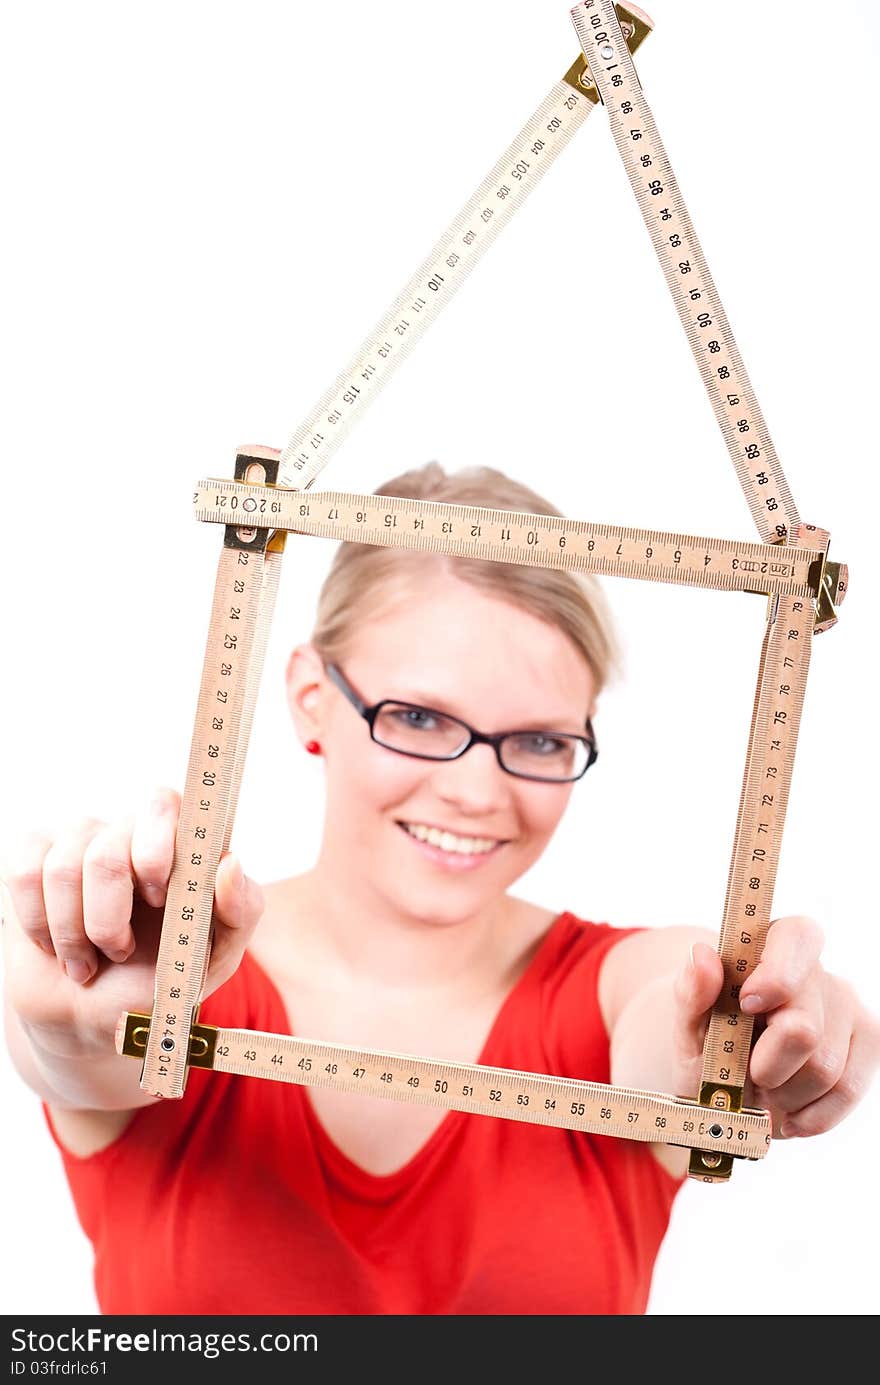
{"points": [[809, 1067]]}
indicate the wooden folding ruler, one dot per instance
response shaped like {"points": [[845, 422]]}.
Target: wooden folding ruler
{"points": [[271, 495]]}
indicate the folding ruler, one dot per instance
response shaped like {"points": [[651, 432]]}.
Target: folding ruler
{"points": [[268, 498]]}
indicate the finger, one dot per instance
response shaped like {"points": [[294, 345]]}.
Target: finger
{"points": [[108, 891], [696, 989], [238, 899], [62, 893], [861, 1064], [792, 1035], [791, 952], [825, 1065], [152, 846], [238, 905], [24, 881]]}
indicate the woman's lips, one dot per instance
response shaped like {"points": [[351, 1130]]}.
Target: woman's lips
{"points": [[452, 860]]}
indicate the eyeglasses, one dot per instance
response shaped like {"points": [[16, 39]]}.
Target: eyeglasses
{"points": [[555, 757]]}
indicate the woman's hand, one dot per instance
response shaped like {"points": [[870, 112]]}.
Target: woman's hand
{"points": [[83, 921], [819, 1046]]}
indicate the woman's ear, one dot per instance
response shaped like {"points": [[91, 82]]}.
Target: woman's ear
{"points": [[305, 682]]}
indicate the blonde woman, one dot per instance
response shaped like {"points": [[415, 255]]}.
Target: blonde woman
{"points": [[454, 703]]}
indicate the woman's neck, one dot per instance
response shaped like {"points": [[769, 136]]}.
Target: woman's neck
{"points": [[344, 931]]}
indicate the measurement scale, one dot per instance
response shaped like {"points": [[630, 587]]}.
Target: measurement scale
{"points": [[541, 540], [790, 566], [538, 1098]]}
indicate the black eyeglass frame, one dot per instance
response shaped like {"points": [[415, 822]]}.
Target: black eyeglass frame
{"points": [[475, 737]]}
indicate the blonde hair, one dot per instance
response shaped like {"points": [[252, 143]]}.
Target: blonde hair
{"points": [[572, 601]]}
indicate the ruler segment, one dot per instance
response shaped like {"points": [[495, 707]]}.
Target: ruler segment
{"points": [[491, 208], [262, 626], [235, 652], [540, 1099], [204, 824], [259, 465], [520, 537], [782, 677], [684, 267]]}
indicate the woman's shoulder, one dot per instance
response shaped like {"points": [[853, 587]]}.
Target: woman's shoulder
{"points": [[582, 941], [574, 1002], [561, 940]]}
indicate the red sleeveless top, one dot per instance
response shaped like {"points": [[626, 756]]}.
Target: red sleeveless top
{"points": [[234, 1199]]}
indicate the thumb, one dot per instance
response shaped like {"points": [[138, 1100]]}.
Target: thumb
{"points": [[238, 900], [697, 987]]}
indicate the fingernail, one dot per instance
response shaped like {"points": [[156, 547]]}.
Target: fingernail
{"points": [[120, 956], [788, 1129], [155, 895], [751, 1004], [77, 970], [236, 875], [693, 958]]}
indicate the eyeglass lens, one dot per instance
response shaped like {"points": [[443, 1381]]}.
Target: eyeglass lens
{"points": [[418, 731]]}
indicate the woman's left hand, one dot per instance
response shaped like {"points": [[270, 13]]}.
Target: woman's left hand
{"points": [[819, 1047]]}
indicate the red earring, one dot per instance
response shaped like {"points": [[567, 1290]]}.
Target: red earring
{"points": [[313, 747]]}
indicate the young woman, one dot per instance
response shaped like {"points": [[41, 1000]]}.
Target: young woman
{"points": [[257, 1197]]}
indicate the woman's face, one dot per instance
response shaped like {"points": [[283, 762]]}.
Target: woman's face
{"points": [[446, 646]]}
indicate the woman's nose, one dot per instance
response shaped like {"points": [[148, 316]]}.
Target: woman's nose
{"points": [[475, 777]]}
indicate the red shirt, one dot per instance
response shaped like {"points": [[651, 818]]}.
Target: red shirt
{"points": [[234, 1199]]}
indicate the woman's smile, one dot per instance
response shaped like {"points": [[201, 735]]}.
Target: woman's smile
{"points": [[456, 858]]}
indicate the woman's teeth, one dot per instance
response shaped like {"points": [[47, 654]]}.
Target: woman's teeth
{"points": [[447, 841]]}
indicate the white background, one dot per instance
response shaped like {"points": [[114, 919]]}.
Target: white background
{"points": [[207, 207]]}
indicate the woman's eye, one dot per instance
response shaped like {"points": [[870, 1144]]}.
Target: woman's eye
{"points": [[413, 717], [542, 745]]}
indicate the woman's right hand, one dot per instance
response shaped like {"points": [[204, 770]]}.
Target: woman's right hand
{"points": [[82, 929]]}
